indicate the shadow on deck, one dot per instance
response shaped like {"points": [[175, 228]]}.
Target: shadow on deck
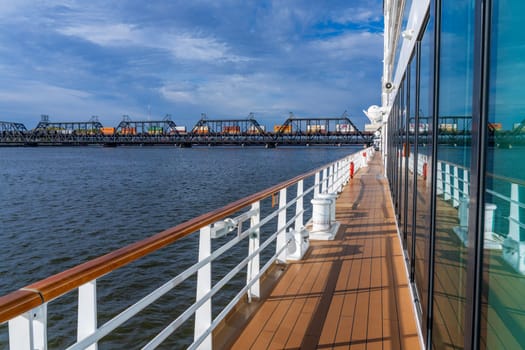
{"points": [[350, 293]]}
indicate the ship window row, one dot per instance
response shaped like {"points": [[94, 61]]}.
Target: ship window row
{"points": [[455, 162]]}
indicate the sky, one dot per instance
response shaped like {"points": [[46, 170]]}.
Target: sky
{"points": [[226, 58]]}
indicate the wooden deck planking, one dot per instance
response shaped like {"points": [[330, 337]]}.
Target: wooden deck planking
{"points": [[350, 293]]}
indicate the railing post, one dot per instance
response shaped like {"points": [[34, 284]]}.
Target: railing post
{"points": [[281, 227], [466, 183], [325, 179], [203, 313], [335, 187], [253, 245], [455, 200], [341, 175], [299, 207], [330, 178], [87, 311], [439, 179], [346, 171], [40, 327], [447, 182], [514, 216], [29, 330], [21, 332], [317, 184]]}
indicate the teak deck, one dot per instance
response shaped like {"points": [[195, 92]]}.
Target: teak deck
{"points": [[349, 293]]}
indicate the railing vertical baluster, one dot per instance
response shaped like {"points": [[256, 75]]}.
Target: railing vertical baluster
{"points": [[465, 188], [439, 179], [514, 217], [330, 178], [29, 330], [253, 245], [455, 200], [342, 175], [325, 179], [87, 311], [21, 332], [203, 313], [335, 186], [337, 176], [317, 183], [299, 207], [447, 182], [40, 327], [281, 223], [346, 171]]}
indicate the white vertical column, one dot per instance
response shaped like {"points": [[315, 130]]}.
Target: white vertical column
{"points": [[87, 311], [514, 217], [253, 245], [40, 327], [346, 171], [330, 178], [325, 179], [281, 227], [447, 182], [299, 207], [21, 332], [317, 183], [203, 313], [335, 186], [340, 176], [466, 184], [439, 179], [29, 330], [455, 201]]}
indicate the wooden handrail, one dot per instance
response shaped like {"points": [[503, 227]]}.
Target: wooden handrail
{"points": [[35, 294]]}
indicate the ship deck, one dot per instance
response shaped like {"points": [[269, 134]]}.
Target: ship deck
{"points": [[350, 293]]}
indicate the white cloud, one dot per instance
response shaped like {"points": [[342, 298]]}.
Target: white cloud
{"points": [[104, 35], [357, 15], [61, 103], [352, 44], [184, 46], [267, 95], [189, 47]]}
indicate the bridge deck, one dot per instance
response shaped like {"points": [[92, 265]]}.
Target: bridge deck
{"points": [[351, 292]]}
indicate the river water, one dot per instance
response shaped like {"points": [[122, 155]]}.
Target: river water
{"points": [[60, 207]]}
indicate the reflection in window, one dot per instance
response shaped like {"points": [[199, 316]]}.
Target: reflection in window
{"points": [[423, 179], [503, 319], [453, 159]]}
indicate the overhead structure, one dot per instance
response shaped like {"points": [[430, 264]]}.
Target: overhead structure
{"points": [[91, 127], [14, 128], [12, 133], [320, 130], [228, 131], [166, 126], [209, 132]]}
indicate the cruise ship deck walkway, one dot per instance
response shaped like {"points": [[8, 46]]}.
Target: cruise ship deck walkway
{"points": [[349, 293]]}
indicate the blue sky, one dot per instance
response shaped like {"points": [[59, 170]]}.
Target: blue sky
{"points": [[74, 59]]}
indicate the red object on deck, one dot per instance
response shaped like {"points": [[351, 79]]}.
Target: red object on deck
{"points": [[351, 170], [425, 169]]}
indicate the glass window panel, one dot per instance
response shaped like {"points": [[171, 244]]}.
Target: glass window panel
{"points": [[503, 314], [423, 178], [453, 160], [403, 159], [411, 106]]}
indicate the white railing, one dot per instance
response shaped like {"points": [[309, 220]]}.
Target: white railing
{"points": [[26, 309], [453, 183]]}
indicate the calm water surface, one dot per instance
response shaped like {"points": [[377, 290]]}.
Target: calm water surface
{"points": [[63, 206]]}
